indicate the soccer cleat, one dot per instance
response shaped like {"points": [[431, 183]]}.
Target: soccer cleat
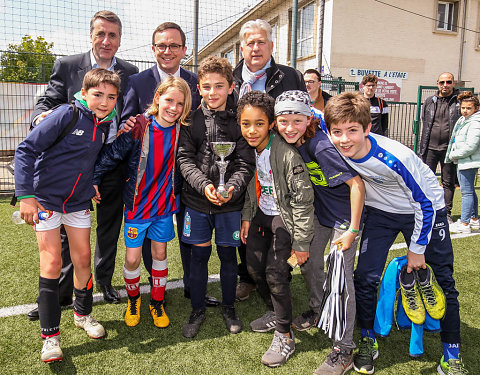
{"points": [[280, 350], [367, 353], [160, 318], [459, 227], [51, 350], [431, 292], [232, 321], [265, 323], [451, 367], [93, 328], [338, 362], [411, 299], [192, 326], [132, 315], [244, 290], [307, 320]]}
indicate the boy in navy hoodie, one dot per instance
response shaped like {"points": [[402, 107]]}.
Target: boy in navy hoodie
{"points": [[54, 173]]}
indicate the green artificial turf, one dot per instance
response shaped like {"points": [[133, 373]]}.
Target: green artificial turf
{"points": [[146, 349]]}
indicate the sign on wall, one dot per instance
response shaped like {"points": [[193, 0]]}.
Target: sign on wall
{"points": [[389, 85]]}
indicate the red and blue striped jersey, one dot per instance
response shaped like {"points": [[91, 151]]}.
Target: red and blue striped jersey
{"points": [[154, 198]]}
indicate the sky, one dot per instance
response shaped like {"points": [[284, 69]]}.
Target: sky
{"points": [[66, 23]]}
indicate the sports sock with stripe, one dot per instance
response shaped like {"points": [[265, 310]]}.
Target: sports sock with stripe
{"points": [[159, 279], [83, 299], [132, 282], [49, 309]]}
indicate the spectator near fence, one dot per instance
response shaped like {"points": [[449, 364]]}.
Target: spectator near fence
{"points": [[313, 81], [65, 81], [258, 71], [440, 112], [378, 107]]}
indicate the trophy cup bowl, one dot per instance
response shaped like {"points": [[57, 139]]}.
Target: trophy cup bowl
{"points": [[222, 150]]}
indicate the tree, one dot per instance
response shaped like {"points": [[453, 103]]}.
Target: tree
{"points": [[29, 61]]}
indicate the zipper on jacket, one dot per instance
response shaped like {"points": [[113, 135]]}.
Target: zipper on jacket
{"points": [[74, 186]]}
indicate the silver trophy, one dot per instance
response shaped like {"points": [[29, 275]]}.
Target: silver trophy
{"points": [[222, 150]]}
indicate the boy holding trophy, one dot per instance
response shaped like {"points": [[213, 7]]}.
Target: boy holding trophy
{"points": [[217, 164]]}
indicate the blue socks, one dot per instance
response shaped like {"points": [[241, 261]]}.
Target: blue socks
{"points": [[451, 351], [368, 333]]}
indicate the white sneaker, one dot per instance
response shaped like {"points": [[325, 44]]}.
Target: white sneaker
{"points": [[51, 351], [459, 227], [474, 224], [93, 328]]}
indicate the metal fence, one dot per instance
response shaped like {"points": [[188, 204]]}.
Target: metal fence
{"points": [[63, 29]]}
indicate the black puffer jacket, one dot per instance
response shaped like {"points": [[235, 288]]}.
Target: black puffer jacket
{"points": [[428, 115], [196, 160], [280, 78]]}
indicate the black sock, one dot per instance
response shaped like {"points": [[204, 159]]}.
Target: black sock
{"points": [[48, 306], [84, 299]]}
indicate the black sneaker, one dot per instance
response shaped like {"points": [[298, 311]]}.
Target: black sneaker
{"points": [[367, 352], [192, 326], [232, 321], [265, 323], [307, 320]]}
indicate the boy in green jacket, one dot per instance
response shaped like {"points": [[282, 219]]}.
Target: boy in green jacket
{"points": [[277, 220]]}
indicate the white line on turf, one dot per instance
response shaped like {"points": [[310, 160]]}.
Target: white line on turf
{"points": [[144, 289]]}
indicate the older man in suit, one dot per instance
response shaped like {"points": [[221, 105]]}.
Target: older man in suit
{"points": [[65, 81]]}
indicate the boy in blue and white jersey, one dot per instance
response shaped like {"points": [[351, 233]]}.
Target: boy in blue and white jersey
{"points": [[402, 195]]}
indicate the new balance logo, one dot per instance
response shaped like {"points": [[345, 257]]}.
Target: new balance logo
{"points": [[78, 132]]}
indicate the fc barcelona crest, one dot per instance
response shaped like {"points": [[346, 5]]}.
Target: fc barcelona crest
{"points": [[132, 233]]}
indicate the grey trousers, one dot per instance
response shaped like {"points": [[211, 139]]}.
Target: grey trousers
{"points": [[313, 272]]}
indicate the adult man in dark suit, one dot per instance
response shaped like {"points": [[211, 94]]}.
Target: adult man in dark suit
{"points": [[65, 81], [168, 46]]}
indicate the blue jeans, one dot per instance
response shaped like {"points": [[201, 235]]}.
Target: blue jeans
{"points": [[466, 178]]}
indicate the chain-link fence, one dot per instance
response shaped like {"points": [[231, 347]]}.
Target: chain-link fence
{"points": [[34, 33]]}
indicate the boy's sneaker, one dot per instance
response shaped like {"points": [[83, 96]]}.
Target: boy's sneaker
{"points": [[338, 362], [281, 348], [132, 315], [51, 351], [367, 353], [307, 320], [431, 292], [232, 321], [93, 328], [451, 367], [459, 227], [192, 326], [244, 290], [160, 318], [411, 299], [265, 323], [474, 224]]}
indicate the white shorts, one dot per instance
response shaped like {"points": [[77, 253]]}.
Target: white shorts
{"points": [[78, 219]]}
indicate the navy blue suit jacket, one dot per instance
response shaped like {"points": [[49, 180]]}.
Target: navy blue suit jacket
{"points": [[67, 78], [141, 89]]}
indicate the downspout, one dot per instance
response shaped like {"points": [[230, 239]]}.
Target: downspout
{"points": [[293, 44], [462, 42], [321, 20]]}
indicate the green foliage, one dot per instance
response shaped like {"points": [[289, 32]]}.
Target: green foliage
{"points": [[29, 61]]}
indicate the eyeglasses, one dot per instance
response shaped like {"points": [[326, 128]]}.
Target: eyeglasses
{"points": [[311, 82], [445, 82], [171, 47]]}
